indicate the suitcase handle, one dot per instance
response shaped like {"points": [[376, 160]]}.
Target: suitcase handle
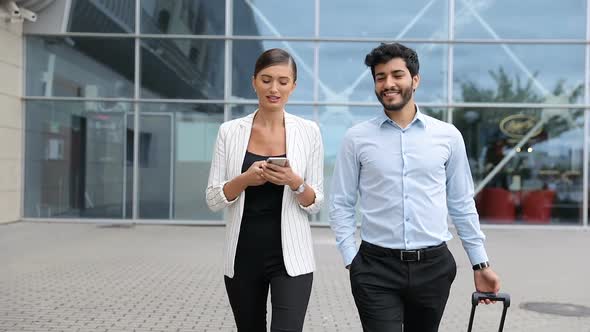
{"points": [[477, 296]]}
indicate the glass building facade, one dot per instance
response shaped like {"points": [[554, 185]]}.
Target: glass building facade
{"points": [[124, 100]]}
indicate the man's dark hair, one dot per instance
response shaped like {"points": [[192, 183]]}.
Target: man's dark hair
{"points": [[385, 52], [275, 56]]}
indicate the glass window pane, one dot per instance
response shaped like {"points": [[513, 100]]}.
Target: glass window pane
{"points": [[344, 76], [539, 182], [384, 19], [175, 149], [245, 54], [507, 19], [76, 160], [182, 68], [80, 67], [268, 18], [519, 73], [194, 17], [105, 16]]}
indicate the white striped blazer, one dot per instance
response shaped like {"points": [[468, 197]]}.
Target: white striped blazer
{"points": [[306, 157]]}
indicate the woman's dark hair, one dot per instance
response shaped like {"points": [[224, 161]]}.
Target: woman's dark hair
{"points": [[385, 52], [275, 56]]}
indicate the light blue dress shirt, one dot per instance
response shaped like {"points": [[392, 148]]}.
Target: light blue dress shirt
{"points": [[409, 181]]}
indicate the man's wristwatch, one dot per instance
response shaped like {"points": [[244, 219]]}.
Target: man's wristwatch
{"points": [[299, 189], [481, 266]]}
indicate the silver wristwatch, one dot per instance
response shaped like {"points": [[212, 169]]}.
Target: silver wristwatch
{"points": [[299, 189]]}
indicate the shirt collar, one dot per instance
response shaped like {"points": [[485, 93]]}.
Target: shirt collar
{"points": [[419, 117]]}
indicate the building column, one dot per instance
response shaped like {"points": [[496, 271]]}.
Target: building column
{"points": [[11, 126]]}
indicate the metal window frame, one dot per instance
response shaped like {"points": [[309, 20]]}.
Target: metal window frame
{"points": [[541, 41], [586, 147], [450, 59], [228, 59], [482, 105], [23, 143], [136, 119]]}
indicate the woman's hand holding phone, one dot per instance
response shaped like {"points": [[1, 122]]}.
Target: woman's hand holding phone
{"points": [[254, 174], [281, 175]]}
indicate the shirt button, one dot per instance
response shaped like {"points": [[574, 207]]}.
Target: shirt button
{"points": [[406, 197], [407, 219]]}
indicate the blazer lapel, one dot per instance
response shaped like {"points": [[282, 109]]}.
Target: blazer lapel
{"points": [[291, 141], [245, 130]]}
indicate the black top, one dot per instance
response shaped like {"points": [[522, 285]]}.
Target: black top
{"points": [[259, 250], [264, 200]]}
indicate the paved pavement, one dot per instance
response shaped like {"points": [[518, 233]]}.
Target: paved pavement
{"points": [[83, 277]]}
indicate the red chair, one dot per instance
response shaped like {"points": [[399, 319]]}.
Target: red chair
{"points": [[496, 205], [537, 205]]}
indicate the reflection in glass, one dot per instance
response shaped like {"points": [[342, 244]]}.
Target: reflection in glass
{"points": [[176, 146], [182, 68], [194, 17], [384, 19], [504, 19], [535, 180], [344, 76], [105, 16], [76, 160], [245, 54], [519, 73], [80, 67], [266, 18]]}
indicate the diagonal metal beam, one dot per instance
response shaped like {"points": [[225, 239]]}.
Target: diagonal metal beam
{"points": [[506, 48], [347, 91], [301, 62]]}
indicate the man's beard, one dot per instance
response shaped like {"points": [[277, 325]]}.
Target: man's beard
{"points": [[406, 95]]}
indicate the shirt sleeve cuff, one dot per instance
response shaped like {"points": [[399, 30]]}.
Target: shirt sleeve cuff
{"points": [[477, 255], [222, 193], [311, 208], [348, 255]]}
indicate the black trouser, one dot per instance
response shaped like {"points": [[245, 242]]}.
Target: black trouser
{"points": [[389, 291], [289, 297]]}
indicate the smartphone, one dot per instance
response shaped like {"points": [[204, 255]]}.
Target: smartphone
{"points": [[279, 161]]}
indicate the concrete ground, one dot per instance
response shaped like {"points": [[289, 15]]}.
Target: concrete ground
{"points": [[85, 277]]}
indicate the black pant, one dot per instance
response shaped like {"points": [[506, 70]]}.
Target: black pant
{"points": [[389, 292], [289, 298]]}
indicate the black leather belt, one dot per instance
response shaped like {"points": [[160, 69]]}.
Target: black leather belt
{"points": [[404, 255]]}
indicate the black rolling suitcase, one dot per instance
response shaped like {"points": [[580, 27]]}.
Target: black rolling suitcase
{"points": [[476, 297]]}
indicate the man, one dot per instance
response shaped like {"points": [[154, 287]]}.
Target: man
{"points": [[411, 172]]}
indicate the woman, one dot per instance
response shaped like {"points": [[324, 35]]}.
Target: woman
{"points": [[268, 238]]}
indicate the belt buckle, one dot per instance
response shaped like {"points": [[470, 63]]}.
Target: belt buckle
{"points": [[409, 255]]}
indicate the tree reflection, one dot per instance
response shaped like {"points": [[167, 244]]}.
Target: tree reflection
{"points": [[481, 126], [526, 158]]}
